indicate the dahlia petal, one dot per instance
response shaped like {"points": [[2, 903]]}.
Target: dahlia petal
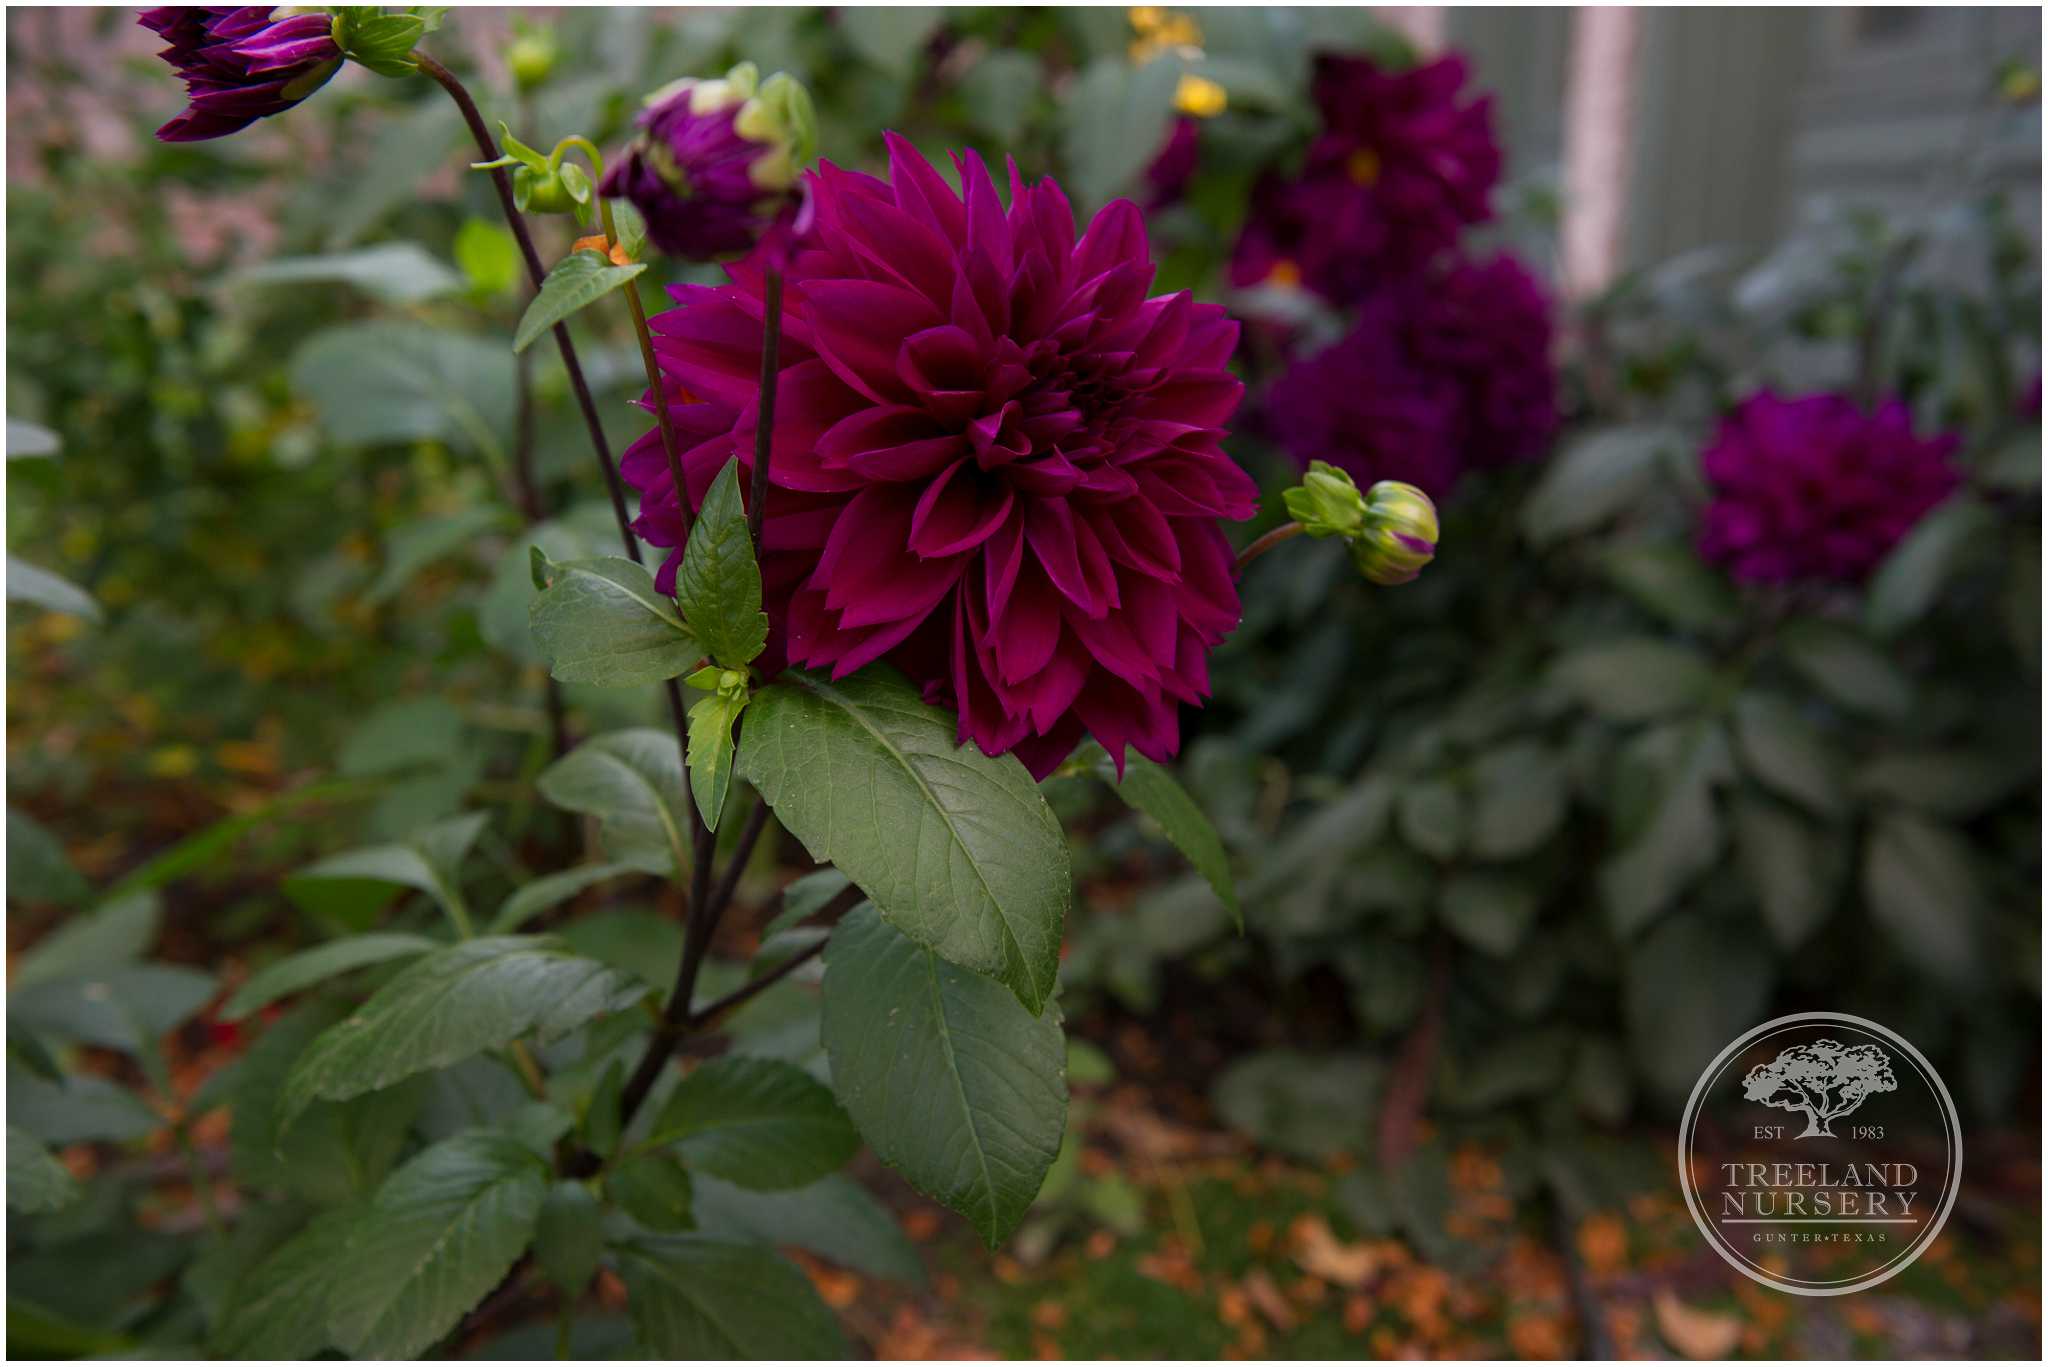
{"points": [[957, 513], [856, 325]]}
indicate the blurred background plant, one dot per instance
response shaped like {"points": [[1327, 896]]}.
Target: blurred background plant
{"points": [[1522, 843]]}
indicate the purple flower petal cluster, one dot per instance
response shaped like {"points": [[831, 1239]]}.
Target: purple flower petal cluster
{"points": [[241, 64], [1439, 375], [997, 463], [1818, 487], [711, 171], [1167, 177], [1400, 169]]}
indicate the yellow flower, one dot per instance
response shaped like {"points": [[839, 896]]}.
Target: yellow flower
{"points": [[1198, 97], [1162, 30]]}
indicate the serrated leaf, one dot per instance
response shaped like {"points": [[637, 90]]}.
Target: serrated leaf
{"points": [[603, 622], [632, 782], [835, 1218], [1154, 790], [958, 850], [550, 891], [949, 1080], [297, 972], [456, 1002], [693, 1296], [654, 1189], [711, 752], [761, 1123], [431, 862], [118, 931], [28, 583], [718, 585], [280, 1310], [578, 280], [336, 1151], [442, 1231], [568, 1239], [36, 1181]]}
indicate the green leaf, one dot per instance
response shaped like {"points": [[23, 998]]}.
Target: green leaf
{"points": [[631, 781], [1689, 987], [568, 1239], [1154, 791], [76, 1109], [1786, 754], [390, 381], [1921, 564], [711, 752], [456, 1002], [120, 1006], [442, 1231], [393, 272], [805, 898], [758, 1122], [28, 583], [603, 622], [1432, 818], [415, 545], [381, 42], [835, 1218], [430, 862], [551, 891], [1519, 798], [1678, 833], [1135, 102], [578, 280], [1923, 888], [297, 972], [1308, 1105], [693, 1296], [892, 37], [718, 585], [1594, 479], [115, 932], [1636, 679], [950, 1081], [1790, 867], [1848, 668], [1956, 784], [1672, 582], [1492, 912], [38, 869], [489, 257], [654, 1189], [1000, 92], [336, 1151], [411, 734], [280, 1310], [36, 1181], [958, 850]]}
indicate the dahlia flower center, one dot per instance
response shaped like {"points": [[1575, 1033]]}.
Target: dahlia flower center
{"points": [[1363, 166]]}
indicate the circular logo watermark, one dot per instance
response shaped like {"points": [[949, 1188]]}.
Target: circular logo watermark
{"points": [[1820, 1154]]}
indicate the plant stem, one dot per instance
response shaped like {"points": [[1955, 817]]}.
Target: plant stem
{"points": [[537, 273], [529, 1070], [764, 421], [669, 445], [1286, 531], [743, 849]]}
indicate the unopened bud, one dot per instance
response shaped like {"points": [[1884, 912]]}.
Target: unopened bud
{"points": [[1399, 536], [1327, 502], [531, 56]]}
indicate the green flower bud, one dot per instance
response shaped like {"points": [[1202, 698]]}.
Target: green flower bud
{"points": [[531, 56], [1327, 502], [1399, 535]]}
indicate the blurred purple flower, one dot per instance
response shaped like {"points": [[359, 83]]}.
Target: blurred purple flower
{"points": [[1816, 487], [997, 463], [1441, 374], [714, 167], [241, 64], [1166, 179], [1400, 169]]}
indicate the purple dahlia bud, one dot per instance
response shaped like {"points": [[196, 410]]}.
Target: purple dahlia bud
{"points": [[241, 63], [714, 167], [1399, 536]]}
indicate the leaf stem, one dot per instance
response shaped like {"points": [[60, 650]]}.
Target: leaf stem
{"points": [[537, 273], [529, 1070], [764, 420], [669, 446], [1286, 531]]}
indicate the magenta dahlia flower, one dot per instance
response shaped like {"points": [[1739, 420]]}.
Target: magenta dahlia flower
{"points": [[996, 464], [241, 64], [714, 168], [1166, 179], [1441, 374], [1399, 170], [1818, 487]]}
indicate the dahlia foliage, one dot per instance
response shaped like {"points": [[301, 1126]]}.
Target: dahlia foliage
{"points": [[1818, 487], [996, 463]]}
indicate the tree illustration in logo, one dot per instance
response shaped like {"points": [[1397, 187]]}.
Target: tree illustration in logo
{"points": [[1825, 1079]]}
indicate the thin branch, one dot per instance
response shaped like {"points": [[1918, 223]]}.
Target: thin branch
{"points": [[743, 850], [1286, 531], [739, 997]]}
